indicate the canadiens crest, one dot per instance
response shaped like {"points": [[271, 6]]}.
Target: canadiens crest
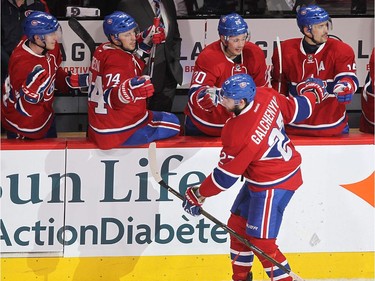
{"points": [[238, 68], [310, 58], [243, 85]]}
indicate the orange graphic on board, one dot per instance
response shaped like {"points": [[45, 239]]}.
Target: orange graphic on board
{"points": [[364, 189]]}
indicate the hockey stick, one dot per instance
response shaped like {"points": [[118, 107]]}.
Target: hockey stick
{"points": [[156, 175], [280, 61], [153, 50], [82, 33]]}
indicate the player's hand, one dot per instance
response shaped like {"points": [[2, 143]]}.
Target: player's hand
{"points": [[144, 39], [344, 90], [315, 86], [208, 98], [159, 35], [36, 83], [77, 81], [133, 89], [193, 201]]}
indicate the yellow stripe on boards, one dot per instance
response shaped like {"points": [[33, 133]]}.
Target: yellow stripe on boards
{"points": [[179, 268]]}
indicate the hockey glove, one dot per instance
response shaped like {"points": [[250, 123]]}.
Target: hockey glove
{"points": [[344, 90], [208, 98], [77, 81], [36, 83], [133, 89], [159, 36], [152, 35], [193, 201], [315, 86]]}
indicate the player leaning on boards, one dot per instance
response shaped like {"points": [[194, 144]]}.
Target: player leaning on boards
{"points": [[316, 55], [231, 54], [117, 97], [34, 74], [254, 143]]}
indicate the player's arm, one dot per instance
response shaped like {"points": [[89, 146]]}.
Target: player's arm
{"points": [[225, 175], [345, 83], [260, 73], [202, 93], [310, 92]]}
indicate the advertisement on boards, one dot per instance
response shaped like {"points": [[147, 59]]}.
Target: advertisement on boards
{"points": [[90, 202]]}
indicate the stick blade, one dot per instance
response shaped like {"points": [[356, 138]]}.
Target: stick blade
{"points": [[82, 33], [153, 162]]}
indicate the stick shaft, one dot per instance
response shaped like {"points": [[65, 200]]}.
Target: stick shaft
{"points": [[82, 33]]}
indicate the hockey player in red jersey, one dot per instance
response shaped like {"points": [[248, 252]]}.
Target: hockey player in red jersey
{"points": [[34, 74], [254, 143], [367, 123], [316, 55], [230, 55], [117, 97]]}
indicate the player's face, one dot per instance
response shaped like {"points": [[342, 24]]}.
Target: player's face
{"points": [[235, 44], [228, 103], [320, 32], [128, 39], [52, 39]]}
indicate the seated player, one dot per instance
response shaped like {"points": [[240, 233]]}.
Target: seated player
{"points": [[34, 75], [231, 54], [117, 103]]}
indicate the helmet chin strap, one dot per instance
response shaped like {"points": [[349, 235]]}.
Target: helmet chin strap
{"points": [[312, 37], [121, 46], [43, 47]]}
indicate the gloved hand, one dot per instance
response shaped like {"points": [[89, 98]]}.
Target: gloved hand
{"points": [[193, 201], [133, 89], [315, 86], [208, 97], [344, 90], [159, 35], [36, 83], [77, 81], [151, 35]]}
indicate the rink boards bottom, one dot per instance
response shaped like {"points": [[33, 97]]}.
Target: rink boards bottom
{"points": [[179, 268]]}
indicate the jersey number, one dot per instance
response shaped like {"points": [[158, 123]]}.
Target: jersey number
{"points": [[278, 142]]}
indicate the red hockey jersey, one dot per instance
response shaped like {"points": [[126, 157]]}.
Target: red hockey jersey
{"points": [[333, 61], [367, 123], [212, 68], [18, 115], [256, 146], [111, 122]]}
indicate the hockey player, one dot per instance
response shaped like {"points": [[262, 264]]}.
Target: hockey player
{"points": [[34, 74], [230, 55], [117, 98], [367, 123], [254, 143], [316, 55]]}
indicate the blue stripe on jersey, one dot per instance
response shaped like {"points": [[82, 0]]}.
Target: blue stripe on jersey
{"points": [[320, 127], [303, 108], [222, 179], [121, 129], [203, 122], [270, 184]]}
